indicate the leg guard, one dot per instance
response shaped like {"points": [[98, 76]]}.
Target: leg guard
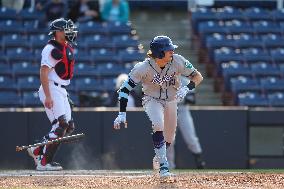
{"points": [[63, 125], [71, 127], [50, 150]]}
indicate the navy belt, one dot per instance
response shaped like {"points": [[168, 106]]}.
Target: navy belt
{"points": [[62, 86]]}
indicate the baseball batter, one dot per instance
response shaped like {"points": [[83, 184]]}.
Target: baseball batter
{"points": [[56, 70], [159, 75]]}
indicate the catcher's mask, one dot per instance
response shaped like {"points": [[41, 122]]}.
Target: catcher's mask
{"points": [[68, 26]]}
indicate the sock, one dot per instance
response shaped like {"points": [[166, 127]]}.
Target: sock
{"points": [[160, 146]]}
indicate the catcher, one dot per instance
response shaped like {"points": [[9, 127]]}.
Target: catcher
{"points": [[56, 71]]}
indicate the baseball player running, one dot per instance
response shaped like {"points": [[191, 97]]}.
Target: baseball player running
{"points": [[159, 75], [56, 70]]}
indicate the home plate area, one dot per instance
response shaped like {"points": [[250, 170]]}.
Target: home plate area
{"points": [[138, 179]]}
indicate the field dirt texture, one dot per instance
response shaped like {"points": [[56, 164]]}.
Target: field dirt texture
{"points": [[139, 179]]}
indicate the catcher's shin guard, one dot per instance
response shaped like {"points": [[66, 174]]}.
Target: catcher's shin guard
{"points": [[71, 127], [49, 152], [63, 126], [50, 149]]}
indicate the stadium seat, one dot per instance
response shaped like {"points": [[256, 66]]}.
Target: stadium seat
{"points": [[244, 85], [276, 99], [131, 55], [103, 55], [92, 98], [264, 69], [118, 28], [254, 55], [262, 27], [124, 41], [109, 69], [272, 84], [277, 54], [217, 41], [15, 41], [82, 56], [82, 45], [253, 100], [20, 54], [10, 99], [30, 14], [92, 28], [255, 13], [82, 70], [247, 41], [201, 15], [36, 30], [88, 84], [7, 83], [99, 41], [39, 41], [228, 55], [273, 41], [281, 66], [11, 27], [230, 13], [210, 27], [219, 67], [109, 84], [28, 83], [233, 69], [239, 27], [278, 15], [31, 99], [7, 14], [5, 70], [25, 69]]}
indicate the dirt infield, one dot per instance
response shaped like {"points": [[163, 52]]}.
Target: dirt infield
{"points": [[139, 179]]}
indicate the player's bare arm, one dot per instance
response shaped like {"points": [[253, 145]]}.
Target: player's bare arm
{"points": [[44, 70]]}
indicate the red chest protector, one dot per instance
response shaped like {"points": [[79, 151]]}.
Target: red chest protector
{"points": [[64, 53]]}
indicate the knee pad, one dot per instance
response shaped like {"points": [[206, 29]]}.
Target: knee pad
{"points": [[63, 125], [71, 127], [158, 139]]}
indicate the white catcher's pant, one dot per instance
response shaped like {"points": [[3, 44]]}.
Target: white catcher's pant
{"points": [[60, 107], [186, 126]]}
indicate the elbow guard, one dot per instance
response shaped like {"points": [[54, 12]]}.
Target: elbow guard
{"points": [[125, 89]]}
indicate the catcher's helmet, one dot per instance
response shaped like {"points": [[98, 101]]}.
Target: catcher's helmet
{"points": [[160, 44], [67, 26]]}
